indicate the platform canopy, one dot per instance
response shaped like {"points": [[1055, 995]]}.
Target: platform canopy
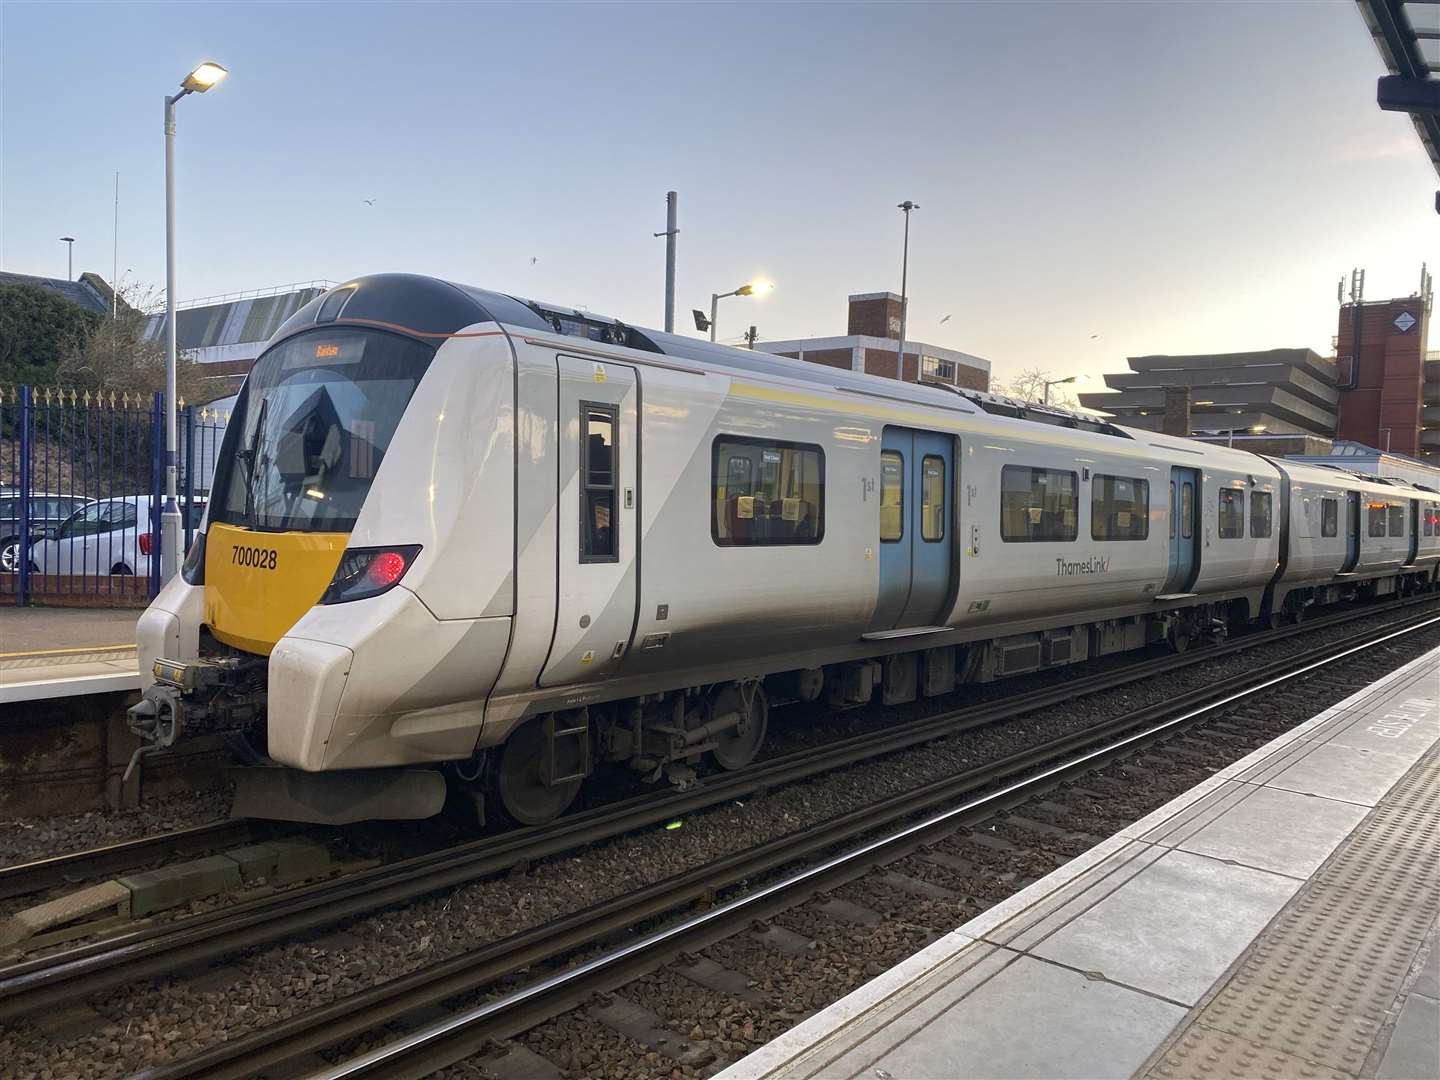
{"points": [[1407, 33]]}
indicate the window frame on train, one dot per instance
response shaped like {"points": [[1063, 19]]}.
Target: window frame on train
{"points": [[593, 490], [1395, 515], [1230, 514], [1329, 517], [1103, 506], [724, 446], [1375, 517], [1262, 515], [1030, 508], [892, 483]]}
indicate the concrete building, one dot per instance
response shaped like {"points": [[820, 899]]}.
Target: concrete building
{"points": [[1286, 391], [227, 333], [871, 338], [89, 291]]}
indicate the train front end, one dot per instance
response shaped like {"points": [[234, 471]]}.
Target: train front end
{"points": [[313, 622]]}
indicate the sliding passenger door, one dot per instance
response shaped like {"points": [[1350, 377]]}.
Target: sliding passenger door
{"points": [[1184, 530], [1352, 533], [598, 558], [916, 511], [1414, 532]]}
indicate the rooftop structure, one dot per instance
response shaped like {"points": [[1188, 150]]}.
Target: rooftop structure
{"points": [[90, 291], [871, 342]]}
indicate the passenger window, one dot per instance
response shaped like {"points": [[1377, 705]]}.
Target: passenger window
{"points": [[1038, 504], [1120, 508], [1259, 514], [932, 498], [1397, 520], [1375, 517], [598, 540], [1232, 513], [892, 496], [1187, 510], [1329, 517], [766, 493]]}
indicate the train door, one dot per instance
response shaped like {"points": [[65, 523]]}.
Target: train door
{"points": [[597, 561], [1184, 530], [1352, 532], [917, 485], [1414, 532]]}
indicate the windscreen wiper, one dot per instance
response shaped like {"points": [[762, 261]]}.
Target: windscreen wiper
{"points": [[248, 455]]}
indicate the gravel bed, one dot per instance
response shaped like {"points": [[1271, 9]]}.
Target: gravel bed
{"points": [[156, 1022], [24, 839]]}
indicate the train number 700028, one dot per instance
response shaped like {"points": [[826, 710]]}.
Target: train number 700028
{"points": [[259, 558]]}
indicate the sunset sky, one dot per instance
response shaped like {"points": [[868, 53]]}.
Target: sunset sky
{"points": [[1167, 177]]}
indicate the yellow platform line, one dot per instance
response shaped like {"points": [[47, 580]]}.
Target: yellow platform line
{"points": [[63, 652]]}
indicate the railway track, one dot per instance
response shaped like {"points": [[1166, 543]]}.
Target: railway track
{"points": [[928, 814], [63, 977], [916, 817]]}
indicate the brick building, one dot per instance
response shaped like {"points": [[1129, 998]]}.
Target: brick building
{"points": [[1381, 378], [870, 342]]}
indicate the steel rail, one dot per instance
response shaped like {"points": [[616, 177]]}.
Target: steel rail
{"points": [[451, 1040], [380, 1005], [52, 981], [22, 878]]}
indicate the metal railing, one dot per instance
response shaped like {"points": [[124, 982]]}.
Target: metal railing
{"points": [[81, 490]]}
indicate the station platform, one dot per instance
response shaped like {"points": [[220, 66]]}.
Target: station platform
{"points": [[1279, 920], [65, 652]]}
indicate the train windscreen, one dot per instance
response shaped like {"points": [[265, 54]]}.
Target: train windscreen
{"points": [[312, 426]]}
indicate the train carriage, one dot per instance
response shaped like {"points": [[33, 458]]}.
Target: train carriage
{"points": [[452, 527]]}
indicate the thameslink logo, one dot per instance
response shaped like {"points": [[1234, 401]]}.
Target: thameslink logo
{"points": [[1095, 564]]}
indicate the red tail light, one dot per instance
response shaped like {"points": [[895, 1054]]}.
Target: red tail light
{"points": [[366, 572], [145, 543]]}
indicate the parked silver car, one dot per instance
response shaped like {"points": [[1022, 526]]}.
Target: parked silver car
{"points": [[113, 536]]}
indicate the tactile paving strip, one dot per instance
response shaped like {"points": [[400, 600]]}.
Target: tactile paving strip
{"points": [[1314, 990]]}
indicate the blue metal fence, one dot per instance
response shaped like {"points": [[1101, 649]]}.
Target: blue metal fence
{"points": [[82, 489]]}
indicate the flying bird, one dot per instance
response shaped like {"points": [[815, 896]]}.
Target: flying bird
{"points": [[944, 320], [532, 260], [1094, 336], [369, 202]]}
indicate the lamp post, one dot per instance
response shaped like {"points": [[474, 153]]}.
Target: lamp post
{"points": [[197, 82], [759, 287], [1076, 379], [69, 257], [905, 206]]}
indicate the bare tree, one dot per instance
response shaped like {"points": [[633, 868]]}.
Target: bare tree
{"points": [[118, 357], [1029, 385]]}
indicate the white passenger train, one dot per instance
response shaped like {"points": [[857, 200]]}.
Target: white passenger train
{"points": [[454, 528]]}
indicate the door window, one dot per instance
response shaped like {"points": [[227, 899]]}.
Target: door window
{"points": [[1174, 510], [932, 498], [892, 496], [598, 427], [1187, 510], [1329, 517]]}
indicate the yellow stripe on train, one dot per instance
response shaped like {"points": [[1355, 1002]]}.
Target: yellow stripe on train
{"points": [[259, 584]]}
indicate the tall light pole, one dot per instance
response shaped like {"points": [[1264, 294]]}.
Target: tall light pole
{"points": [[906, 206], [197, 82], [672, 230], [69, 257], [758, 287]]}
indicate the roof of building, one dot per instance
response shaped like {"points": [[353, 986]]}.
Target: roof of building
{"points": [[235, 318], [865, 341], [83, 292], [1409, 53]]}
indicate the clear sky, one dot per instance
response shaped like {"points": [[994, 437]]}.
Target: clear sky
{"points": [[1170, 177]]}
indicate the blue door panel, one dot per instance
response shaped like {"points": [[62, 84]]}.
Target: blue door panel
{"points": [[915, 572], [894, 554]]}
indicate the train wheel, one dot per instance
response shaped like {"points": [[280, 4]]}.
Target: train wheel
{"points": [[737, 746], [524, 795]]}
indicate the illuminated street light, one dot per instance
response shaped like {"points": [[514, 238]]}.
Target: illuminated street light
{"points": [[1078, 380], [758, 287], [69, 257], [198, 81]]}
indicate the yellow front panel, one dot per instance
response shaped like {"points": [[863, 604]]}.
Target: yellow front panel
{"points": [[258, 584]]}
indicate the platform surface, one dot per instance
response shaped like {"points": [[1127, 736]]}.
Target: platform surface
{"points": [[63, 652], [1279, 920]]}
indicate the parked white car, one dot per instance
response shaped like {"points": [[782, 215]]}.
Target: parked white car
{"points": [[112, 536]]}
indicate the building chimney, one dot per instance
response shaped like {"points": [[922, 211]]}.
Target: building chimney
{"points": [[1177, 411], [875, 314]]}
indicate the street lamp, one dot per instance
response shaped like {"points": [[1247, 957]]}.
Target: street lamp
{"points": [[1076, 379], [758, 287], [197, 82], [905, 206], [69, 257], [1253, 429]]}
